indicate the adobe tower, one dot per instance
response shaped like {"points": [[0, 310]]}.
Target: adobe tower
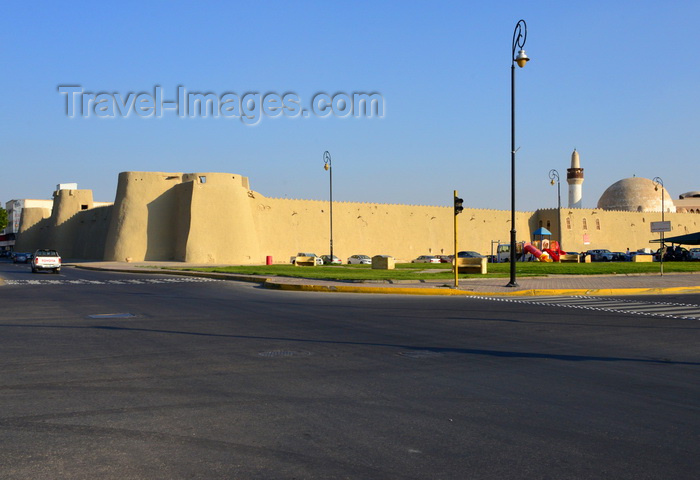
{"points": [[574, 177]]}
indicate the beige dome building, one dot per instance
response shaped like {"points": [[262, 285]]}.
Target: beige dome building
{"points": [[636, 194], [688, 202]]}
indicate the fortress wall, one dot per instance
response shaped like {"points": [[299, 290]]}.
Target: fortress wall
{"points": [[184, 201], [221, 225], [144, 220], [216, 218], [33, 229], [73, 227], [619, 230], [64, 223], [286, 227], [90, 233]]}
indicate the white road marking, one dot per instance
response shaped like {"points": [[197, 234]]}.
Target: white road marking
{"points": [[683, 311], [111, 282]]}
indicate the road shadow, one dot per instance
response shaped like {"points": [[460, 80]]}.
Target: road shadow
{"points": [[403, 347]]}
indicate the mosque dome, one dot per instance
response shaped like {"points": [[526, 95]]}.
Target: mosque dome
{"points": [[635, 194]]}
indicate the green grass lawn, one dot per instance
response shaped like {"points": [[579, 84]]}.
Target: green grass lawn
{"points": [[413, 271]]}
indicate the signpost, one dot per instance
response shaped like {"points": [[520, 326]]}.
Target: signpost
{"points": [[657, 227], [661, 227]]}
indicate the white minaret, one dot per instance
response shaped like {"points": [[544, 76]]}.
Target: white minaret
{"points": [[574, 177]]}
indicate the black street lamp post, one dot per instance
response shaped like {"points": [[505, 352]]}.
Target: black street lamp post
{"points": [[327, 165], [554, 177], [519, 37], [658, 181]]}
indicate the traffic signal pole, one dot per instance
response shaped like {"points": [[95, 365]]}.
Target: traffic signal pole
{"points": [[457, 210]]}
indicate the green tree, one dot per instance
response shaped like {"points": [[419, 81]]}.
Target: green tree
{"points": [[3, 218]]}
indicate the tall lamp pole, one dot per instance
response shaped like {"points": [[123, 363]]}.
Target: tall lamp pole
{"points": [[329, 168], [519, 37], [658, 181], [554, 176]]}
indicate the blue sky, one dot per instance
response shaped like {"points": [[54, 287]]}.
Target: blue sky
{"points": [[616, 80]]}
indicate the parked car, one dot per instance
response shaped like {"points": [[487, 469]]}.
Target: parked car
{"points": [[46, 259], [359, 260], [694, 254], [675, 254], [621, 257], [600, 255], [469, 254], [20, 257], [317, 259], [426, 259], [328, 260], [445, 258]]}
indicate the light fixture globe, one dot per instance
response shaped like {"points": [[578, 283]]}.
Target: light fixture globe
{"points": [[522, 58]]}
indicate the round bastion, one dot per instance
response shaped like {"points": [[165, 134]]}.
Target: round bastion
{"points": [[636, 194]]}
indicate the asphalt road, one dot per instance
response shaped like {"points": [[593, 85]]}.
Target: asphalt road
{"points": [[120, 376]]}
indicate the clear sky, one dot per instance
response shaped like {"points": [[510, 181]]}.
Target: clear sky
{"points": [[619, 81]]}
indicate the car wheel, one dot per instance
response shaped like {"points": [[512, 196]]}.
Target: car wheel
{"points": [[57, 270], [33, 270]]}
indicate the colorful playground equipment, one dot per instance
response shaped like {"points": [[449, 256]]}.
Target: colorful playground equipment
{"points": [[542, 249], [550, 249], [537, 253]]}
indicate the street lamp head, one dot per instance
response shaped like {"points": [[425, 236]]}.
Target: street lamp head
{"points": [[326, 160], [325, 166], [522, 58], [552, 182]]}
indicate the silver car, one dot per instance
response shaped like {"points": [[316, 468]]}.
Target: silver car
{"points": [[359, 260]]}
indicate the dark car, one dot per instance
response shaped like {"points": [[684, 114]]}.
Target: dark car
{"points": [[469, 254], [621, 257], [22, 257], [676, 254]]}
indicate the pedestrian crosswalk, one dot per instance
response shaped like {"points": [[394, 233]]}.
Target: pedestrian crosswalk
{"points": [[617, 305], [123, 281]]}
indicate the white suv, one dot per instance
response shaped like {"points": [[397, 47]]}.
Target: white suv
{"points": [[45, 259]]}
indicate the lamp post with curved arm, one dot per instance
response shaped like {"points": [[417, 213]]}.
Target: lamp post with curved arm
{"points": [[658, 181], [328, 167], [554, 176], [519, 37]]}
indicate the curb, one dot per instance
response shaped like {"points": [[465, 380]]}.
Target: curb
{"points": [[448, 292], [270, 283]]}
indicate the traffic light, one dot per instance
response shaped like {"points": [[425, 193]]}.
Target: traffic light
{"points": [[458, 205]]}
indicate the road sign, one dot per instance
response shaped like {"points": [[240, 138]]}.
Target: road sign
{"points": [[660, 227]]}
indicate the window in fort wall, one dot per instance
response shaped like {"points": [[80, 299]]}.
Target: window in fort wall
{"points": [[597, 223], [568, 223], [585, 224], [549, 225]]}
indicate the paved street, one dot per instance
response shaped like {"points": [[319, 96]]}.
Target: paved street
{"points": [[119, 376]]}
